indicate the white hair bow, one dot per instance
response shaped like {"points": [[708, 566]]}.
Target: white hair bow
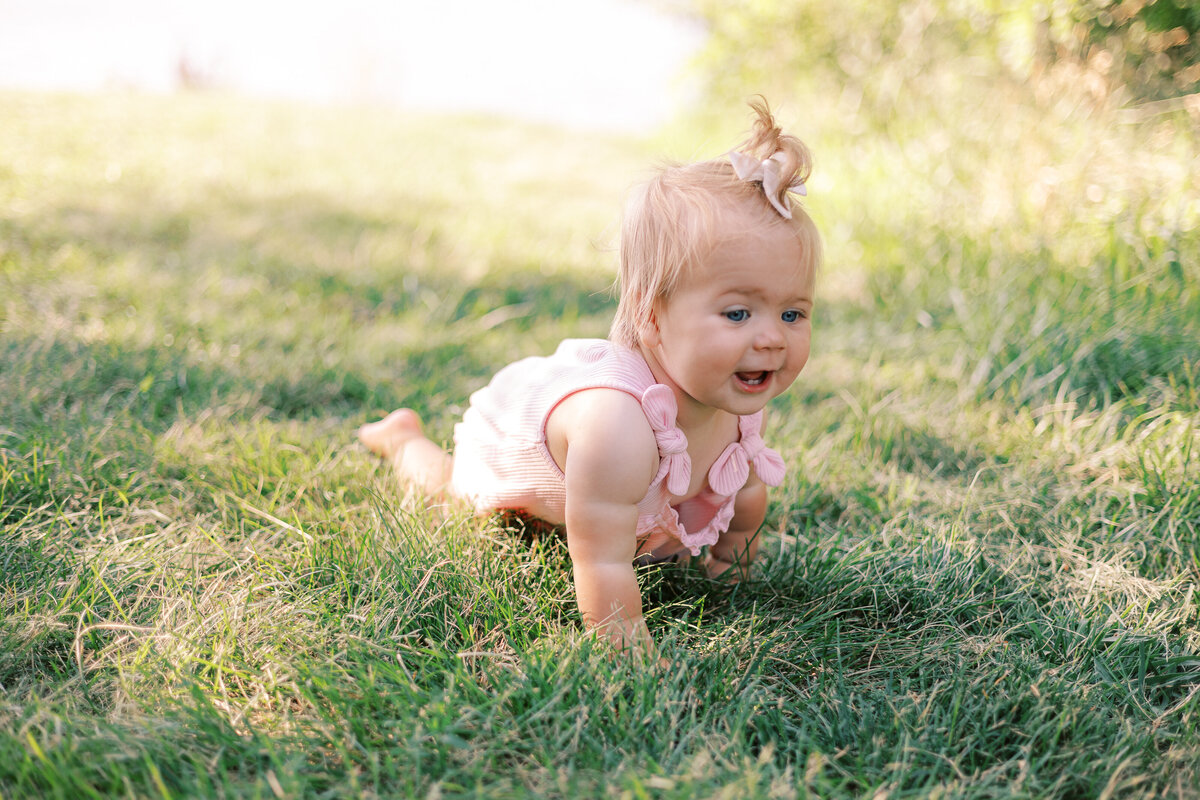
{"points": [[766, 172]]}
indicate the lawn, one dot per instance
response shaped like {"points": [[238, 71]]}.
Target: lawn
{"points": [[978, 580]]}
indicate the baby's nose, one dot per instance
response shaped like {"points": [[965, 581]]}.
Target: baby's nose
{"points": [[769, 336]]}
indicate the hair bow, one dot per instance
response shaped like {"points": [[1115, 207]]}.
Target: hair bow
{"points": [[766, 172]]}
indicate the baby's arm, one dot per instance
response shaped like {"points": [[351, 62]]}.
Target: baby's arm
{"points": [[611, 458], [737, 547]]}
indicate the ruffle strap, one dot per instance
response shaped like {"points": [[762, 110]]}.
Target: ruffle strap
{"points": [[658, 402], [732, 468]]}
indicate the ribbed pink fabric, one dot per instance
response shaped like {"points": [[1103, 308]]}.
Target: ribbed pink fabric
{"points": [[501, 460]]}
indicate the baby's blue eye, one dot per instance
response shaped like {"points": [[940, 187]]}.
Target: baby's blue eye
{"points": [[792, 315], [737, 315]]}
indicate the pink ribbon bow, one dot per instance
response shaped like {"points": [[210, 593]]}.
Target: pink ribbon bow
{"points": [[732, 468], [660, 407]]}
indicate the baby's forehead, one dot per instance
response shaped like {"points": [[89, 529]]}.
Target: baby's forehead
{"points": [[794, 280], [756, 267], [757, 237]]}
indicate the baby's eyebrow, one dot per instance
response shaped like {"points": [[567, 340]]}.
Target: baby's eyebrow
{"points": [[759, 294]]}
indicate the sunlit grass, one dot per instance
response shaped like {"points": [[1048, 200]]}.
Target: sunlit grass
{"points": [[978, 580]]}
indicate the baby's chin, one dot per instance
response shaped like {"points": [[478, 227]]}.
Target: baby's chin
{"points": [[767, 385]]}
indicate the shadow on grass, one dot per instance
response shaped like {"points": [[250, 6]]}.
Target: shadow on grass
{"points": [[367, 261]]}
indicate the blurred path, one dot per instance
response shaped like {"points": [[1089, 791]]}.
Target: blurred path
{"points": [[609, 64]]}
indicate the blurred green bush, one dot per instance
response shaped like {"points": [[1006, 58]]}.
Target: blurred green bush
{"points": [[1147, 50]]}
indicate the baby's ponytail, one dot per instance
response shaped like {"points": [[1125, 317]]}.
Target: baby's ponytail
{"points": [[776, 161]]}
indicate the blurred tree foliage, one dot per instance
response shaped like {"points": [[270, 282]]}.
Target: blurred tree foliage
{"points": [[1154, 46], [885, 50]]}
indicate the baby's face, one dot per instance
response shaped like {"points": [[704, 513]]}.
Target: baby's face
{"points": [[737, 332]]}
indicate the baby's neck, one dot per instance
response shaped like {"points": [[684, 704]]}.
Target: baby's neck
{"points": [[697, 420]]}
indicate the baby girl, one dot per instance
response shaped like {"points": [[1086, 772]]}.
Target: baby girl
{"points": [[647, 446]]}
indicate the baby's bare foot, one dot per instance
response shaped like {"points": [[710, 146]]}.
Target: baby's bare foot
{"points": [[387, 437]]}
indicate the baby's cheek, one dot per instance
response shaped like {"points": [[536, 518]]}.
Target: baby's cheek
{"points": [[795, 366], [800, 353]]}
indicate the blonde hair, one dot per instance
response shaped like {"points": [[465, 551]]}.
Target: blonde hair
{"points": [[672, 221]]}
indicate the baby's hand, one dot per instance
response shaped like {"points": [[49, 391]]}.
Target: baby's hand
{"points": [[644, 652], [731, 571], [554, 647], [734, 551]]}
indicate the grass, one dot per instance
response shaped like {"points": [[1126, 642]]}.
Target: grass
{"points": [[979, 579]]}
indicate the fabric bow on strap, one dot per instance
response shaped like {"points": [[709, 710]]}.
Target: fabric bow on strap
{"points": [[766, 172], [660, 408], [731, 469]]}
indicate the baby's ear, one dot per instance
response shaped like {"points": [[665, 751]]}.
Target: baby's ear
{"points": [[648, 330]]}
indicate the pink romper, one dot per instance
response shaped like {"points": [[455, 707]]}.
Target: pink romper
{"points": [[501, 460]]}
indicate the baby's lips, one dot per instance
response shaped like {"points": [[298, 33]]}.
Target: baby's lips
{"points": [[754, 379]]}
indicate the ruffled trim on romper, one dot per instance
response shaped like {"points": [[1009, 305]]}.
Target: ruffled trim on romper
{"points": [[727, 475]]}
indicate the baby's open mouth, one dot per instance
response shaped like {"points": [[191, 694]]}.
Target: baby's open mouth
{"points": [[752, 378]]}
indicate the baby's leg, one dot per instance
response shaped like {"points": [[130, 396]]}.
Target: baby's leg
{"points": [[417, 460]]}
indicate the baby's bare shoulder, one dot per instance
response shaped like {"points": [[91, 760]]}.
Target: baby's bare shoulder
{"points": [[604, 431]]}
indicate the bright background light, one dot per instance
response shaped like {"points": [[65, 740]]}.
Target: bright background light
{"points": [[608, 64]]}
